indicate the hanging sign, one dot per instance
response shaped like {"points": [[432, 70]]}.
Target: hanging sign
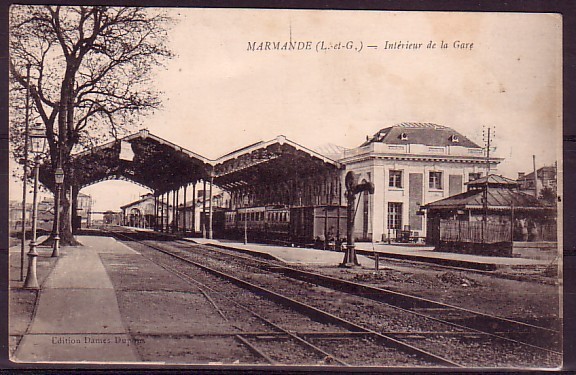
{"points": [[126, 152]]}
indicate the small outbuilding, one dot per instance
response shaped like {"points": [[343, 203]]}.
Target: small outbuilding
{"points": [[488, 217]]}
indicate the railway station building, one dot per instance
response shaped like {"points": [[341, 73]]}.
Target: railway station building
{"points": [[410, 165]]}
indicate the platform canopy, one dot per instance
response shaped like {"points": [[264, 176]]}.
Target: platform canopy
{"points": [[142, 158], [160, 165], [269, 162]]}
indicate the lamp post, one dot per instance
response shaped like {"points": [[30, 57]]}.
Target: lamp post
{"points": [[37, 138], [58, 179]]}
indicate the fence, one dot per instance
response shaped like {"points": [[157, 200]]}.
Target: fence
{"points": [[474, 232], [547, 232]]}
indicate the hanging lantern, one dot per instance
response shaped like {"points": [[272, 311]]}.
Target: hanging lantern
{"points": [[37, 136]]}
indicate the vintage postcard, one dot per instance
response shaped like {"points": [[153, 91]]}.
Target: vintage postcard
{"points": [[255, 188]]}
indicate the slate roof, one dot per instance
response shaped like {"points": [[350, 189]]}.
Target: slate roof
{"points": [[498, 198], [143, 198], [420, 133]]}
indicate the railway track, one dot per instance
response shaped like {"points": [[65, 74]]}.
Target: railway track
{"points": [[319, 337], [454, 326]]}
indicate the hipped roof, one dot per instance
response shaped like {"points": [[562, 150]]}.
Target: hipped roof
{"points": [[497, 198], [493, 181], [421, 133]]}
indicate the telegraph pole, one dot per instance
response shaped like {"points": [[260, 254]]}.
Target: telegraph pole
{"points": [[27, 115], [485, 192], [535, 176]]}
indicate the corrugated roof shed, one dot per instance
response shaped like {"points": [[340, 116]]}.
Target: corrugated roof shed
{"points": [[498, 198], [494, 181]]}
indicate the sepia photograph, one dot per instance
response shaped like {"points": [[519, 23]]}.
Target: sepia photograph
{"points": [[284, 188]]}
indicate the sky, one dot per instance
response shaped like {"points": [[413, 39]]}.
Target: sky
{"points": [[218, 95]]}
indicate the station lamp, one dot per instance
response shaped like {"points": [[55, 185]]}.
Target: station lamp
{"points": [[59, 180], [37, 137]]}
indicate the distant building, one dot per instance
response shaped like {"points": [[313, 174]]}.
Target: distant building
{"points": [[111, 218], [192, 215], [84, 209], [15, 215], [141, 213], [410, 165], [546, 178], [45, 215]]}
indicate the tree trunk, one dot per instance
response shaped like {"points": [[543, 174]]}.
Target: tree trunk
{"points": [[66, 209], [66, 236], [74, 212]]}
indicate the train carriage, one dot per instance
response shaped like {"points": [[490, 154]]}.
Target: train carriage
{"points": [[297, 225], [314, 223]]}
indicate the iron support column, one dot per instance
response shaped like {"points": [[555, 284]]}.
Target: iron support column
{"points": [[177, 211], [156, 210], [162, 208], [203, 219], [194, 207], [210, 228], [174, 211], [184, 209], [168, 211]]}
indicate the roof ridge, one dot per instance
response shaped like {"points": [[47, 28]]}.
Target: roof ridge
{"points": [[419, 125]]}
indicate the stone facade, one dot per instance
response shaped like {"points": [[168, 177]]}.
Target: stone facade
{"points": [[408, 175]]}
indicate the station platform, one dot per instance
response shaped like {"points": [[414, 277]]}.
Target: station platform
{"points": [[298, 255], [102, 298], [290, 255], [76, 316]]}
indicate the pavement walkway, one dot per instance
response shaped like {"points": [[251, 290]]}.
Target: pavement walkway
{"points": [[428, 253], [77, 316], [296, 255], [291, 255]]}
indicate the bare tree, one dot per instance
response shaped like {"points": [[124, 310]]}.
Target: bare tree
{"points": [[91, 75]]}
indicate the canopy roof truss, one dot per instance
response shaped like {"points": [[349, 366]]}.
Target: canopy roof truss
{"points": [[265, 162], [162, 166], [157, 164]]}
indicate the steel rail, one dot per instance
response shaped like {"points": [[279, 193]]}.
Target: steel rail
{"points": [[400, 300], [240, 334], [311, 311]]}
